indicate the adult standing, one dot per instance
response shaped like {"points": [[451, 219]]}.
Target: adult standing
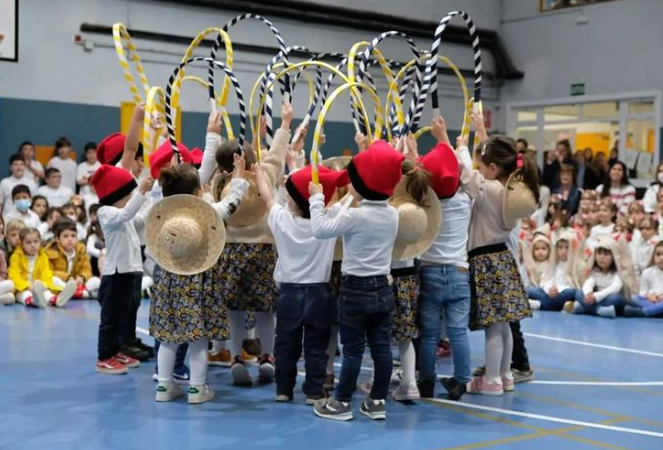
{"points": [[562, 156], [585, 176]]}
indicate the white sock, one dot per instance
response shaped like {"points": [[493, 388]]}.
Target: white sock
{"points": [[198, 361], [266, 330], [494, 351], [331, 348], [237, 331], [408, 361], [507, 342], [217, 346], [6, 287], [21, 297], [92, 286], [166, 361]]}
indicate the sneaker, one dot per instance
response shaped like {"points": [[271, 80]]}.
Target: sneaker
{"points": [[311, 399], [266, 369], [329, 382], [508, 382], [577, 308], [443, 349], [607, 311], [111, 366], [168, 391], [221, 359], [80, 292], [521, 376], [7, 299], [629, 310], [455, 388], [240, 373], [29, 301], [426, 388], [479, 372], [135, 353], [330, 408], [200, 394], [128, 361], [39, 297], [247, 357], [535, 304], [397, 376], [479, 385], [374, 409], [66, 294], [252, 347], [406, 392], [144, 347], [283, 398], [568, 307]]}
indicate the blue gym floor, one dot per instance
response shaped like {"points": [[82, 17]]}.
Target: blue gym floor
{"points": [[599, 384]]}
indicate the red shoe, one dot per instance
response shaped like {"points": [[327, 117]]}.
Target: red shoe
{"points": [[53, 301], [79, 293], [111, 366], [128, 361], [266, 369], [443, 349]]}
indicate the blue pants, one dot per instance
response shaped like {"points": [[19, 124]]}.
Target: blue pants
{"points": [[648, 308], [303, 311], [549, 303], [365, 305], [444, 288], [615, 300]]}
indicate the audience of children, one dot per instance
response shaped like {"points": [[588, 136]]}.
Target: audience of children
{"points": [[64, 163]]}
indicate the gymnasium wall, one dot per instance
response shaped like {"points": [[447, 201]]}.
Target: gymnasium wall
{"points": [[59, 87]]}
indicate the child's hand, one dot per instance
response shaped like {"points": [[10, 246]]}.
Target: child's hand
{"points": [[439, 130], [79, 280], [314, 188], [361, 141], [461, 141], [214, 122], [286, 115], [322, 140], [145, 185], [139, 113], [240, 166], [553, 292], [652, 298], [590, 298], [298, 145], [411, 147]]}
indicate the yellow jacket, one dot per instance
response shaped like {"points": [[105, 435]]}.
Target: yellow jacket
{"points": [[18, 270], [58, 262]]}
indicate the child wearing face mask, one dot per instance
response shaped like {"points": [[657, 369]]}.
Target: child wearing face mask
{"points": [[21, 198]]}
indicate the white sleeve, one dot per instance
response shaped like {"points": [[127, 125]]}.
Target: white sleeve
{"points": [[111, 217], [229, 204], [649, 200], [646, 283], [92, 250], [324, 226], [588, 285], [80, 172], [207, 166], [614, 288], [273, 217]]}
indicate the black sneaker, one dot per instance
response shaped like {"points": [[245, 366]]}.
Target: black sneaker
{"points": [[426, 388], [141, 345], [312, 399], [479, 372], [453, 387], [330, 408], [374, 409], [135, 352]]}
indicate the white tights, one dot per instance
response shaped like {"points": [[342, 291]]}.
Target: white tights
{"points": [[197, 359], [408, 361], [499, 346]]}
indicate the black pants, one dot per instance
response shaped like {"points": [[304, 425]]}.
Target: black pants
{"points": [[129, 325], [117, 299], [303, 312], [519, 358]]}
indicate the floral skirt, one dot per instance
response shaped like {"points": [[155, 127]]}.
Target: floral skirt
{"points": [[185, 308], [406, 291], [245, 276], [498, 293]]}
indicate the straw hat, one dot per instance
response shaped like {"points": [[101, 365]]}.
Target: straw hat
{"points": [[336, 162], [251, 209], [518, 201], [184, 234], [418, 226]]}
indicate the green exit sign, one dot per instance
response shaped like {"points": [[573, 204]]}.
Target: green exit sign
{"points": [[578, 89]]}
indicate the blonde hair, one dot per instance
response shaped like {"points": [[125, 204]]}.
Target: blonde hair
{"points": [[14, 225]]}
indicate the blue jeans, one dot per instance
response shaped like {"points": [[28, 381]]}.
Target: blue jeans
{"points": [[365, 305], [549, 303], [444, 288], [648, 308], [303, 311], [615, 300]]}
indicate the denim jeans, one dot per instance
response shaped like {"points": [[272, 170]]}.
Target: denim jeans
{"points": [[615, 300], [549, 303], [648, 308], [365, 305], [444, 288], [303, 312]]}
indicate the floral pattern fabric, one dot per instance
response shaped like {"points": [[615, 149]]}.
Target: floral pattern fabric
{"points": [[406, 291]]}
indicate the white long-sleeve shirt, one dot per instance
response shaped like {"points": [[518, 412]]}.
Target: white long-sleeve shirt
{"points": [[649, 200], [450, 245], [368, 231], [602, 284], [67, 168], [651, 281], [642, 250], [559, 279]]}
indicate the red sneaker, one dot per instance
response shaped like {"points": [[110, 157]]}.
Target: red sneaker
{"points": [[79, 293], [128, 361], [111, 366]]}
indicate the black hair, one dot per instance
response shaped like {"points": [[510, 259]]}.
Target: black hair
{"points": [[50, 171], [226, 150], [14, 158], [613, 267], [62, 142], [20, 189], [607, 183], [523, 141], [63, 224], [34, 200], [93, 208], [23, 144], [179, 179], [50, 211], [90, 146]]}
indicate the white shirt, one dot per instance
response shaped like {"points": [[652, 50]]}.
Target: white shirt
{"points": [[45, 232], [369, 232], [85, 169], [32, 260], [70, 260], [6, 187], [651, 281], [602, 284], [621, 197], [56, 197], [642, 251], [122, 243], [67, 168], [91, 246], [450, 245], [599, 230], [559, 279], [36, 165], [30, 218], [301, 257]]}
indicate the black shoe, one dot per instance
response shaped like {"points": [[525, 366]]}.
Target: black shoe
{"points": [[135, 352], [252, 347], [453, 387], [144, 347], [426, 388]]}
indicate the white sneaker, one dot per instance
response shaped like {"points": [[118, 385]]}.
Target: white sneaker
{"points": [[66, 294], [39, 297], [535, 304], [607, 311], [240, 373], [405, 392], [167, 392], [7, 299], [200, 394], [266, 369]]}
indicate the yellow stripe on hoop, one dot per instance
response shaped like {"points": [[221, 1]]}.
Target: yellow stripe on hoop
{"points": [[120, 34], [224, 114], [154, 106]]}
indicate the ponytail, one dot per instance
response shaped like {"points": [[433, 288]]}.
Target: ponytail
{"points": [[530, 176], [418, 181]]}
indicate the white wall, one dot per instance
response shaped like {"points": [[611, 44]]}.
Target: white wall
{"points": [[52, 67]]}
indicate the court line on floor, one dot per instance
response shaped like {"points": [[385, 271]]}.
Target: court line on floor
{"points": [[512, 412], [142, 331], [591, 344]]}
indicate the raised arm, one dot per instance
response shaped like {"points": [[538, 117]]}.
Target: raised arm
{"points": [[212, 141], [238, 186], [133, 138], [264, 187], [112, 217], [323, 225]]}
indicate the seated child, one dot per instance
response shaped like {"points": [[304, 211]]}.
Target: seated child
{"points": [[72, 212], [536, 257], [6, 286], [39, 206], [649, 301], [643, 244], [606, 225], [21, 198], [32, 276], [69, 262], [56, 193], [12, 239], [46, 227]]}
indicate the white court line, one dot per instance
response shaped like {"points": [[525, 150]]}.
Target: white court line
{"points": [[142, 331], [591, 344], [511, 412], [598, 383]]}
